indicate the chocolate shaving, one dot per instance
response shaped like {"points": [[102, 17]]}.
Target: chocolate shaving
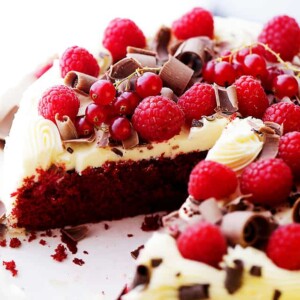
{"points": [[175, 75], [194, 52], [246, 228], [70, 150], [255, 271], [89, 139], [77, 233], [161, 42], [6, 122], [117, 151], [270, 147], [135, 253], [226, 99], [143, 51], [132, 141], [66, 128], [240, 204], [102, 138], [142, 276], [144, 60], [123, 68], [210, 211], [168, 93], [155, 262], [296, 211], [276, 295], [234, 276], [194, 292], [79, 81], [278, 128]]}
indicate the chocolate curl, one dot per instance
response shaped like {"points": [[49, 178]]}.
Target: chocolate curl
{"points": [[210, 211], [161, 42], [245, 228], [136, 50], [270, 147], [194, 52], [278, 128], [102, 138], [296, 211], [168, 93], [226, 99], [5, 123], [84, 100], [176, 75], [123, 68], [66, 128], [89, 139], [144, 60], [79, 81], [132, 141]]}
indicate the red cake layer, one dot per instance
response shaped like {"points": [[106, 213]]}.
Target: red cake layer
{"points": [[114, 191]]}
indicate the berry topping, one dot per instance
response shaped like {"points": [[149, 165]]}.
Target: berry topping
{"points": [[102, 92], [283, 247], [252, 99], [196, 22], [208, 71], [157, 118], [198, 101], [126, 103], [255, 65], [211, 179], [83, 127], [149, 84], [267, 81], [121, 33], [269, 181], [203, 242], [285, 86], [284, 113], [282, 35], [78, 59], [289, 151], [96, 114], [59, 100], [224, 73], [120, 129]]}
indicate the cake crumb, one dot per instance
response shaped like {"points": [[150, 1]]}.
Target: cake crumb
{"points": [[60, 253], [3, 243], [11, 266], [85, 252], [151, 223], [42, 242], [106, 226], [14, 243], [78, 261], [32, 236]]}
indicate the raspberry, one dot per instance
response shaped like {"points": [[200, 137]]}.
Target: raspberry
{"points": [[282, 35], [252, 99], [211, 179], [157, 118], [196, 22], [121, 33], [289, 151], [284, 113], [203, 242], [78, 59], [59, 100], [269, 181], [283, 247], [198, 101]]}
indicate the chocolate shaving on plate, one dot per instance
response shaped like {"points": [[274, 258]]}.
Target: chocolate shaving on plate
{"points": [[5, 123], [79, 81], [142, 276], [226, 99], [123, 68], [132, 141], [176, 75], [194, 52], [161, 42], [194, 292], [210, 211], [76, 233], [296, 211], [135, 253], [246, 228], [234, 276], [66, 128]]}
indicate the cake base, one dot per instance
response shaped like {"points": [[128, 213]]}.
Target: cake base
{"points": [[57, 198]]}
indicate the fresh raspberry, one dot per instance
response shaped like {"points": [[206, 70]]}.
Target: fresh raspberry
{"points": [[284, 113], [59, 100], [252, 99], [289, 151], [78, 59], [283, 247], [157, 118], [211, 179], [198, 101], [203, 242], [282, 35], [196, 22], [121, 33], [269, 181]]}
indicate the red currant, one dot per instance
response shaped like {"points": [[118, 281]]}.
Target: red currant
{"points": [[96, 114], [255, 65], [102, 92], [226, 55], [126, 103], [238, 67], [224, 73], [120, 129], [83, 127], [285, 86], [208, 71], [257, 49], [149, 84], [272, 72]]}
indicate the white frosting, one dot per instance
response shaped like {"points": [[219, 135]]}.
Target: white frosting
{"points": [[238, 145]]}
